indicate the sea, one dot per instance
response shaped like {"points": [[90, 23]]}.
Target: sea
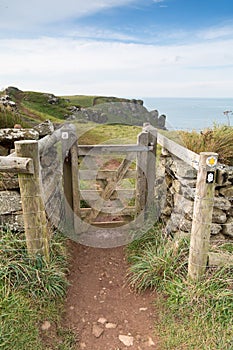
{"points": [[192, 113]]}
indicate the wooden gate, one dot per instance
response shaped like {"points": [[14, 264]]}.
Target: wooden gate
{"points": [[111, 185]]}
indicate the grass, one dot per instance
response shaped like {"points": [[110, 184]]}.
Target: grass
{"points": [[84, 101], [32, 291], [89, 101], [191, 315], [218, 139], [38, 103], [114, 134], [8, 118]]}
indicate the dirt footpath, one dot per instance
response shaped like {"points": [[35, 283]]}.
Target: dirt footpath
{"points": [[100, 306]]}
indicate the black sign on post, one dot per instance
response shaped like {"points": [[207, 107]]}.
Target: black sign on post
{"points": [[210, 177]]}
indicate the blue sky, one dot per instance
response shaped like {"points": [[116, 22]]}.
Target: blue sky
{"points": [[131, 48]]}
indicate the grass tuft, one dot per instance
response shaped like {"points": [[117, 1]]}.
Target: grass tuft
{"points": [[219, 139], [32, 291], [192, 315]]}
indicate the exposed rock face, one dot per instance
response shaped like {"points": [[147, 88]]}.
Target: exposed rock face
{"points": [[45, 128], [121, 112]]}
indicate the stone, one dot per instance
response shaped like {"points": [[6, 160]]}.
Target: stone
{"points": [[168, 181], [161, 121], [178, 222], [110, 325], [102, 320], [3, 151], [181, 169], [150, 342], [13, 222], [97, 331], [215, 229], [83, 345], [9, 181], [185, 191], [9, 136], [45, 128], [222, 203], [187, 182], [10, 202], [230, 212], [166, 211], [126, 339], [217, 238], [45, 326], [183, 206], [227, 192], [228, 227], [221, 176], [219, 216]]}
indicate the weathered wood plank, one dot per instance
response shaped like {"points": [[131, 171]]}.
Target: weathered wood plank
{"points": [[101, 149], [111, 187], [141, 179], [103, 174], [67, 186], [18, 165], [75, 180], [151, 164], [126, 211], [93, 195], [109, 224], [202, 218], [179, 151]]}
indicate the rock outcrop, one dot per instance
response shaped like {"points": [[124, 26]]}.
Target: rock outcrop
{"points": [[130, 113]]}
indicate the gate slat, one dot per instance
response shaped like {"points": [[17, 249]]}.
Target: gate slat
{"points": [[110, 187], [92, 150]]}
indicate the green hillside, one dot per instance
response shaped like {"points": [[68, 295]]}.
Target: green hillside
{"points": [[34, 107]]}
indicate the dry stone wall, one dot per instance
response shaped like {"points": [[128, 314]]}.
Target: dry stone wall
{"points": [[11, 215], [175, 190]]}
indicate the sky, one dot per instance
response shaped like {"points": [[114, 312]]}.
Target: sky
{"points": [[125, 48]]}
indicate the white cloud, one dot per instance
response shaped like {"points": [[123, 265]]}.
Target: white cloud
{"points": [[98, 33], [217, 32], [25, 13], [68, 66]]}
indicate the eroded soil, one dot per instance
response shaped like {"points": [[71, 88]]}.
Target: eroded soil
{"points": [[101, 308]]}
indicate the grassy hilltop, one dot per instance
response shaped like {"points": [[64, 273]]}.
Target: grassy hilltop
{"points": [[34, 107]]}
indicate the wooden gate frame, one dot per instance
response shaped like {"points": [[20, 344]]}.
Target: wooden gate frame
{"points": [[144, 152]]}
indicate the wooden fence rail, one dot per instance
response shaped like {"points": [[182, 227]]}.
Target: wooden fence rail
{"points": [[189, 157]]}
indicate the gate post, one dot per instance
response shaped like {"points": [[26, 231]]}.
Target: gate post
{"points": [[202, 215], [35, 222], [141, 177], [151, 163], [146, 163]]}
